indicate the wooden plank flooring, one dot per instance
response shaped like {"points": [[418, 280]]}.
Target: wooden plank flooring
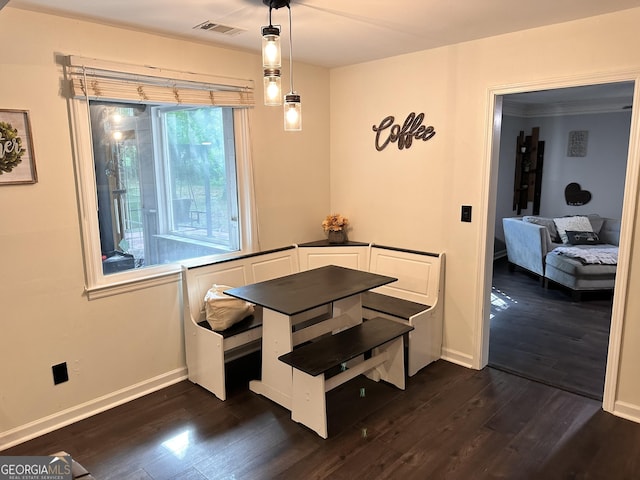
{"points": [[543, 334], [450, 423]]}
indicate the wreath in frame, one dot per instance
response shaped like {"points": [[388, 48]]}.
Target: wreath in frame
{"points": [[11, 150]]}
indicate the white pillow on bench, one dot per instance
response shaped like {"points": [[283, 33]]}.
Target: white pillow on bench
{"points": [[223, 311]]}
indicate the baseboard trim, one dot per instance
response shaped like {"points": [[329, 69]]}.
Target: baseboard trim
{"points": [[71, 415], [459, 358], [627, 411]]}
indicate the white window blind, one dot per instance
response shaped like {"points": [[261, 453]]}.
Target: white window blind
{"points": [[95, 79]]}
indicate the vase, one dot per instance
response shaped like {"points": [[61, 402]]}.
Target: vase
{"points": [[339, 236]]}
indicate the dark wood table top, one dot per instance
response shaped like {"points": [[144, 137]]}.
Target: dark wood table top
{"points": [[299, 292]]}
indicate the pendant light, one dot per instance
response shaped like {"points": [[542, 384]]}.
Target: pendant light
{"points": [[271, 61], [272, 87], [271, 64], [292, 112], [292, 104], [271, 56]]}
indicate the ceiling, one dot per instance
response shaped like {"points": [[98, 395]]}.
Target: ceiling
{"points": [[606, 97], [332, 33]]}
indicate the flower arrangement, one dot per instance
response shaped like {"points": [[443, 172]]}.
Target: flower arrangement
{"points": [[335, 223]]}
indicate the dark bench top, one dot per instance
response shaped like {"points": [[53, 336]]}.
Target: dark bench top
{"points": [[321, 356], [251, 322], [246, 255], [397, 307], [325, 243]]}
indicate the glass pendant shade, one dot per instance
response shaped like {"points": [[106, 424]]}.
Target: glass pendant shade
{"points": [[272, 87], [292, 112], [271, 53]]}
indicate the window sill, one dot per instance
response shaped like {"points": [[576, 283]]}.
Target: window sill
{"points": [[132, 280], [131, 285]]}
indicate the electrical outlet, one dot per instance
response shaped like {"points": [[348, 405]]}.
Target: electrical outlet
{"points": [[466, 213], [60, 373]]}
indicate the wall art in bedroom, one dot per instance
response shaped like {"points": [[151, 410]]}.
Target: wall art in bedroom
{"points": [[577, 146]]}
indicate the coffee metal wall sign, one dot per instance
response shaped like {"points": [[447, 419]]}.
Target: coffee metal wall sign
{"points": [[412, 128]]}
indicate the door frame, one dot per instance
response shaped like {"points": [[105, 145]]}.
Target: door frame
{"points": [[488, 207]]}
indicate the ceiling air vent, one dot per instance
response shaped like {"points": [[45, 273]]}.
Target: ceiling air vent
{"points": [[219, 28]]}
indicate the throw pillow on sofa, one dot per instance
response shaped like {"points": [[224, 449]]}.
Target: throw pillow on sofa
{"points": [[544, 222], [577, 223], [582, 238]]}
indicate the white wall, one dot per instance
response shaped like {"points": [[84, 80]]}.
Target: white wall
{"points": [[412, 197], [124, 344], [601, 172]]}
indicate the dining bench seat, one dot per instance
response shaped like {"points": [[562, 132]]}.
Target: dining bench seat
{"points": [[248, 323], [208, 350], [398, 307], [416, 299], [314, 365]]}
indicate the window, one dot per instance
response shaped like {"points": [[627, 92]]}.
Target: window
{"points": [[166, 183], [163, 183]]}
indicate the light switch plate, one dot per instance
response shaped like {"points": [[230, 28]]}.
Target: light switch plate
{"points": [[465, 216]]}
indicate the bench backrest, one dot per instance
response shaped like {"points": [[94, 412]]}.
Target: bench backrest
{"points": [[349, 256], [419, 274], [236, 272]]}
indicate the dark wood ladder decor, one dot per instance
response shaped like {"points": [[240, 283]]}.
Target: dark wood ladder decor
{"points": [[528, 175]]}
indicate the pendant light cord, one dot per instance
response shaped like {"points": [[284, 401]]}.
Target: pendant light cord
{"points": [[290, 50]]}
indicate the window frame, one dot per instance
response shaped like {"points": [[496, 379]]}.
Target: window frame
{"points": [[98, 285]]}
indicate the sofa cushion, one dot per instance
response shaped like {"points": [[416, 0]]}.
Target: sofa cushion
{"points": [[596, 222], [571, 273], [544, 222], [582, 238], [610, 231], [575, 268], [577, 223]]}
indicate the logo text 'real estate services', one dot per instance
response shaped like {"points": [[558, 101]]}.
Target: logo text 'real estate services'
{"points": [[53, 467]]}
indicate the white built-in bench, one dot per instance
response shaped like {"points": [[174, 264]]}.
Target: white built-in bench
{"points": [[415, 300], [208, 350], [314, 366]]}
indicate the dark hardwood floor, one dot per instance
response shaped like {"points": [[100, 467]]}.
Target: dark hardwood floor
{"points": [[450, 423], [543, 334]]}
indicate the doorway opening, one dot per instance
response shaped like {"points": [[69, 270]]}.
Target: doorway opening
{"points": [[546, 334]]}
